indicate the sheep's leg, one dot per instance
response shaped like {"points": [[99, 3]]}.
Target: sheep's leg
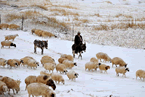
{"points": [[117, 74], [13, 91]]}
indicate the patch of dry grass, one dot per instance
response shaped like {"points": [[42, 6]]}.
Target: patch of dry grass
{"points": [[131, 24], [11, 17], [40, 6], [108, 2], [26, 14], [64, 12], [127, 16]]}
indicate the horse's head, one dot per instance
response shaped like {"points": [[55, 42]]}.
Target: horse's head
{"points": [[46, 44]]}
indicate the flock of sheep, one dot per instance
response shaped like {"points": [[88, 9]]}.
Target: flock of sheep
{"points": [[45, 83]]}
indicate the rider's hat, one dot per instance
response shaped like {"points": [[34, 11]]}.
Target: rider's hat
{"points": [[79, 33]]}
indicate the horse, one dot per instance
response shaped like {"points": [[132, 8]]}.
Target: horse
{"points": [[78, 49], [40, 44]]}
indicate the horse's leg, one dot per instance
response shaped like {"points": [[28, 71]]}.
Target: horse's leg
{"points": [[73, 54], [41, 51], [34, 49]]}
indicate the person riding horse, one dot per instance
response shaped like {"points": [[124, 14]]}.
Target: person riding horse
{"points": [[78, 41]]}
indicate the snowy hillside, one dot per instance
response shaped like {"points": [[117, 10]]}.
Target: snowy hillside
{"points": [[106, 22], [88, 84]]}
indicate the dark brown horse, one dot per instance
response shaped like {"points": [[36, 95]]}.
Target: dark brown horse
{"points": [[40, 44]]}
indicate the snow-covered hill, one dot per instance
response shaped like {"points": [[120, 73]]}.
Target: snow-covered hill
{"points": [[88, 84]]}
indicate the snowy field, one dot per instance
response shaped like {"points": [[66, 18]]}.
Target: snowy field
{"points": [[89, 83]]}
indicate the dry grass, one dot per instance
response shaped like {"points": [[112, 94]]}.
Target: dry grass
{"points": [[97, 14], [11, 17], [30, 14], [66, 6], [64, 12], [26, 14], [108, 2], [84, 21], [125, 26], [127, 16], [40, 6]]}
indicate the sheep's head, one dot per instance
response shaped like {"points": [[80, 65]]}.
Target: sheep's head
{"points": [[5, 62], [45, 77], [75, 64], [16, 64], [99, 64], [107, 67], [62, 80], [125, 65], [65, 71], [50, 93], [12, 44], [76, 75], [21, 61], [5, 88], [127, 69], [37, 63]]}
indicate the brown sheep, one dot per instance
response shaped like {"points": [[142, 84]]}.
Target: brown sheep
{"points": [[103, 56], [9, 37], [47, 34], [2, 26], [141, 74], [45, 73], [30, 79], [37, 32], [11, 84], [7, 43], [61, 68], [104, 67], [14, 26], [60, 60], [118, 61], [47, 59], [12, 63]]}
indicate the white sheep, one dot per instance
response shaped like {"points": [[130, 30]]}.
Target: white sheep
{"points": [[57, 78], [72, 75], [69, 64], [61, 68], [103, 56], [32, 63], [121, 70], [7, 43], [30, 79], [141, 74], [3, 62], [12, 63], [103, 67], [9, 37], [11, 84], [40, 89], [91, 65], [3, 88], [118, 61], [49, 66]]}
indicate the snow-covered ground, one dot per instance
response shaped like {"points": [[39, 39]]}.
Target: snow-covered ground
{"points": [[89, 83]]}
